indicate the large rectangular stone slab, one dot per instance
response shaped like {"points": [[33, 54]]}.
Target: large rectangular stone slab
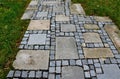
{"points": [[102, 19], [66, 48], [97, 52], [68, 27], [92, 38], [111, 71], [74, 72], [39, 25], [32, 60], [37, 39], [28, 14], [91, 26], [62, 18]]}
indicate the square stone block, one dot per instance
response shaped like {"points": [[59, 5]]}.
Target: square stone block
{"points": [[62, 18], [42, 14], [97, 52], [32, 60], [66, 48], [91, 26], [92, 38], [28, 14], [68, 27], [39, 25], [37, 39], [102, 19], [72, 72]]}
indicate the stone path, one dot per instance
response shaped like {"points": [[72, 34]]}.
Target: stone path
{"points": [[61, 42]]}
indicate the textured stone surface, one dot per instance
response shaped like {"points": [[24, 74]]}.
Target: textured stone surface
{"points": [[111, 71], [92, 38], [66, 48], [68, 27], [27, 15], [42, 14], [39, 25], [72, 72], [77, 9], [97, 52], [38, 39], [91, 26], [98, 18], [62, 18], [31, 60]]}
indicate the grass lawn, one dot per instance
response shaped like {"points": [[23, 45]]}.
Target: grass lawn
{"points": [[109, 8], [11, 32]]}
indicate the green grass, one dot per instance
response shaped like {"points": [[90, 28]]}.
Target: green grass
{"points": [[109, 8], [11, 32]]}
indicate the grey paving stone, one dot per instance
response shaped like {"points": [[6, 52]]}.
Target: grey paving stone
{"points": [[58, 63], [92, 73], [51, 76], [37, 39], [51, 69], [87, 74], [42, 14], [52, 63], [85, 67], [97, 65], [108, 70], [79, 62], [28, 14], [58, 69], [90, 61], [65, 62], [58, 77], [17, 73], [24, 74], [10, 74], [38, 74], [72, 72], [66, 48], [98, 70], [68, 27], [45, 74], [72, 62], [31, 74]]}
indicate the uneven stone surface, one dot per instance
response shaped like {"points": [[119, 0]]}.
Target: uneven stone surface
{"points": [[68, 27], [92, 38], [66, 48], [97, 52], [62, 18], [91, 26], [77, 9], [32, 59], [27, 15], [38, 39], [111, 71], [101, 19], [39, 25], [72, 72]]}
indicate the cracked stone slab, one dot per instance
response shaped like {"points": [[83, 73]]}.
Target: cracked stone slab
{"points": [[111, 71], [97, 52], [68, 27], [92, 38], [31, 60], [28, 14], [42, 14], [66, 48], [62, 18], [39, 25], [91, 26], [77, 9], [102, 19], [72, 72], [37, 39]]}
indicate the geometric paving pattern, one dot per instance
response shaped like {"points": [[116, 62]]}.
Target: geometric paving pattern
{"points": [[74, 48]]}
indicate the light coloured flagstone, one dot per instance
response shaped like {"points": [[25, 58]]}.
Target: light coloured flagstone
{"points": [[58, 9], [91, 26], [111, 71], [37, 39], [28, 14], [97, 52], [102, 19], [39, 25], [32, 5], [72, 72], [42, 14], [66, 48], [32, 60], [77, 9], [68, 27], [51, 2], [62, 18], [92, 38]]}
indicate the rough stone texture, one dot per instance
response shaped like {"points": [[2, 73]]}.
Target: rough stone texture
{"points": [[31, 60], [39, 25], [77, 9], [62, 18], [38, 39], [27, 15], [91, 26], [101, 19], [72, 72], [68, 27], [111, 71], [97, 52], [92, 38], [113, 32], [66, 48]]}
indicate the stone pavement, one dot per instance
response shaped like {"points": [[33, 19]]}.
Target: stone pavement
{"points": [[61, 42]]}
